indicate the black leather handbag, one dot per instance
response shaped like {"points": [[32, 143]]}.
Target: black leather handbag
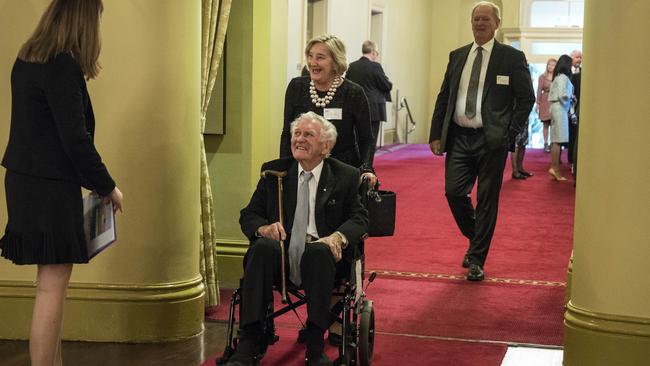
{"points": [[381, 212]]}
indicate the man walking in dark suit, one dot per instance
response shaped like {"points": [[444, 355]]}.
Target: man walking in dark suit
{"points": [[368, 73], [484, 102], [323, 214]]}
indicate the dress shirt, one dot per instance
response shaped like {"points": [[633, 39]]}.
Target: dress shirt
{"points": [[313, 187], [460, 117]]}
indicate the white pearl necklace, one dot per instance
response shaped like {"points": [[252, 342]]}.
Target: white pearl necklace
{"points": [[322, 102]]}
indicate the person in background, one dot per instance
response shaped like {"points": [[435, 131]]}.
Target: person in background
{"points": [[49, 157], [560, 98], [339, 100], [576, 68], [368, 73], [517, 156], [543, 106], [484, 102]]}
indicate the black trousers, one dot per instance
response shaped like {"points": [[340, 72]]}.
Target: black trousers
{"points": [[375, 130], [573, 136], [469, 160], [262, 271]]}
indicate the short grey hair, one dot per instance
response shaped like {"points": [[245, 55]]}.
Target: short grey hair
{"points": [[575, 52], [328, 130], [495, 9], [368, 46]]}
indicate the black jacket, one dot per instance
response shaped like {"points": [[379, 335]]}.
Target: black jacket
{"points": [[505, 105], [370, 75], [354, 144], [52, 125], [338, 207]]}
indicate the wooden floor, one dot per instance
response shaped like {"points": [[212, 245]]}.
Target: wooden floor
{"points": [[188, 352]]}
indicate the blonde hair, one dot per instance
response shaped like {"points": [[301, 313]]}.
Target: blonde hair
{"points": [[67, 26], [336, 48]]}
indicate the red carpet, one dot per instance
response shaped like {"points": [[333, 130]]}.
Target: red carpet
{"points": [[394, 350], [426, 313], [534, 228]]}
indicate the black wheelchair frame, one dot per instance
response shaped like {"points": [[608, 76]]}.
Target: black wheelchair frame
{"points": [[353, 311]]}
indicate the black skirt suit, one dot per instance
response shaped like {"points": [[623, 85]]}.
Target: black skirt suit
{"points": [[49, 157], [354, 145]]}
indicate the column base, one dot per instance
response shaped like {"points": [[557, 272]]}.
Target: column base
{"points": [[596, 339], [111, 313]]}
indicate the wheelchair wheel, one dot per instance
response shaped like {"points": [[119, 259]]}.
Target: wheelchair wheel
{"points": [[366, 334]]}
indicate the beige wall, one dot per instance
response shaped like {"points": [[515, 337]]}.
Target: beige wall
{"points": [[350, 21], [146, 102]]}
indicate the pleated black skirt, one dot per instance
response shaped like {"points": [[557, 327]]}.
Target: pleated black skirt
{"points": [[45, 221]]}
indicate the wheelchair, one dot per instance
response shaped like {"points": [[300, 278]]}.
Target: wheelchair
{"points": [[353, 311]]}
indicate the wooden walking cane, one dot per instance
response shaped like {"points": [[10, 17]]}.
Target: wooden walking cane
{"points": [[280, 175]]}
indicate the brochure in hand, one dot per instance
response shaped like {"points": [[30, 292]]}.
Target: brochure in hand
{"points": [[99, 224]]}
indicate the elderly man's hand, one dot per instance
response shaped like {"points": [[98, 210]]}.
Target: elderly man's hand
{"points": [[435, 147], [274, 231], [335, 242]]}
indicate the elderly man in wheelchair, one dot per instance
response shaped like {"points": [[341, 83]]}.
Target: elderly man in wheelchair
{"points": [[311, 203]]}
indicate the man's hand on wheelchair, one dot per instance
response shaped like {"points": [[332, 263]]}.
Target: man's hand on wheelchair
{"points": [[335, 242], [273, 231]]}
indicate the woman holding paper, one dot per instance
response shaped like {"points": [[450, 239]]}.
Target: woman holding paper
{"points": [[49, 156]]}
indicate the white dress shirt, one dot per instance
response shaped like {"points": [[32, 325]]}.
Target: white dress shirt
{"points": [[313, 187], [460, 117]]}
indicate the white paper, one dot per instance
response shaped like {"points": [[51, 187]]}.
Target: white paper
{"points": [[99, 224], [331, 114]]}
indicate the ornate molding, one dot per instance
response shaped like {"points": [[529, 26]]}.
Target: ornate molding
{"points": [[160, 292], [606, 323]]}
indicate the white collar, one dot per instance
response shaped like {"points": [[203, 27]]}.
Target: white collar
{"points": [[316, 171], [486, 47]]}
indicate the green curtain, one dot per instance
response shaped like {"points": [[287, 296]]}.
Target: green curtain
{"points": [[213, 33]]}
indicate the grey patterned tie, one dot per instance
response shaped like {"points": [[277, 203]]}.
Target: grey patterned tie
{"points": [[472, 88], [299, 228]]}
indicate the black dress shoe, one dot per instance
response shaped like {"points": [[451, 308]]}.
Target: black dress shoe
{"points": [[466, 261], [323, 360], [518, 176], [526, 173], [475, 272], [334, 339]]}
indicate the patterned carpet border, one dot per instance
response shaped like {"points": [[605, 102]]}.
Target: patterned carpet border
{"points": [[442, 276]]}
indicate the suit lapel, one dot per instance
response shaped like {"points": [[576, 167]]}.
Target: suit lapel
{"points": [[490, 74], [458, 71], [289, 195], [325, 187]]}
